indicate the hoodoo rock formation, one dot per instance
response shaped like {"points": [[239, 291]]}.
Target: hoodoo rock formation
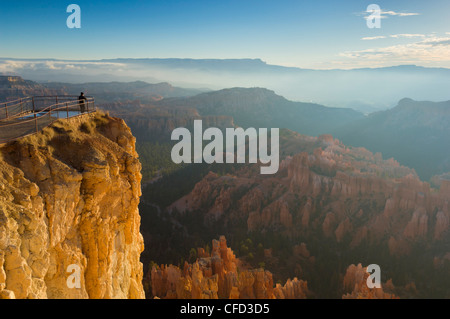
{"points": [[341, 193], [69, 196], [221, 275], [355, 281]]}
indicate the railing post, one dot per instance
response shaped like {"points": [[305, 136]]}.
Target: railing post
{"points": [[6, 109], [67, 109]]}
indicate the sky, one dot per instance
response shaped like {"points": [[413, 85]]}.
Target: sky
{"points": [[322, 34]]}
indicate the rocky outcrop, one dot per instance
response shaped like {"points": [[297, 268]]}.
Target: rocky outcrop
{"points": [[221, 275], [293, 289], [69, 202], [355, 281]]}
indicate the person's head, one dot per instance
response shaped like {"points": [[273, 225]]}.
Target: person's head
{"points": [[82, 93]]}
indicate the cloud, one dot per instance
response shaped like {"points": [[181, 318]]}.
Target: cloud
{"points": [[11, 65], [374, 38], [385, 13], [399, 14], [52, 65], [436, 41], [429, 49], [396, 36], [407, 35]]}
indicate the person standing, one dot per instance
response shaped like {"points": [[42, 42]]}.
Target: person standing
{"points": [[82, 101]]}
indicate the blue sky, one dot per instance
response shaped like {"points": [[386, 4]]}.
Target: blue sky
{"points": [[309, 34]]}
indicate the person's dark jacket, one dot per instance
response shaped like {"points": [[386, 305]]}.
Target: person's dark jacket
{"points": [[81, 100]]}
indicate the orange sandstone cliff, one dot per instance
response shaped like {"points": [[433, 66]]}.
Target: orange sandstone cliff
{"points": [[69, 196]]}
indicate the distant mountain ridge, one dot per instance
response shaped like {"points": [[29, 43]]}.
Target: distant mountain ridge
{"points": [[120, 91], [212, 62], [253, 63], [416, 133], [15, 87], [259, 107], [363, 89]]}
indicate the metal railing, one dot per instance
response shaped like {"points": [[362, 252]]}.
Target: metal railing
{"points": [[29, 104], [11, 108], [29, 115]]}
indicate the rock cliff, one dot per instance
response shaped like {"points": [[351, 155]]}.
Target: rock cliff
{"points": [[69, 200]]}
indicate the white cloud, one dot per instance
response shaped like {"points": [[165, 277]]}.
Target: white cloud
{"points": [[407, 35], [52, 66], [10, 66], [430, 49], [399, 14], [396, 36], [374, 38], [385, 13]]}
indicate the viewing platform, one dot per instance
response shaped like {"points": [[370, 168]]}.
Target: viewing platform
{"points": [[29, 115]]}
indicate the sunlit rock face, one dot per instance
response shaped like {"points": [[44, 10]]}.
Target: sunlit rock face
{"points": [[69, 196], [355, 284], [221, 275]]}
